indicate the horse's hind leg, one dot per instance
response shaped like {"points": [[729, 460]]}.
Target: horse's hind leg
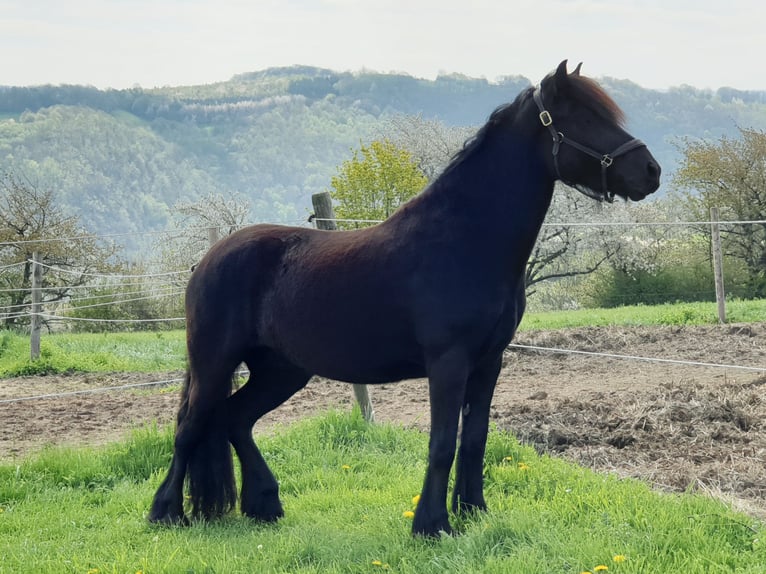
{"points": [[272, 381], [202, 398], [167, 507]]}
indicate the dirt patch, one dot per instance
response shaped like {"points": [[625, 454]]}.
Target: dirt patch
{"points": [[677, 426]]}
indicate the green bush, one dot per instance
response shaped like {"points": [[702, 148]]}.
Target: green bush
{"points": [[669, 284]]}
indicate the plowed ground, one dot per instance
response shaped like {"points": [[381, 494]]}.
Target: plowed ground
{"points": [[676, 426]]}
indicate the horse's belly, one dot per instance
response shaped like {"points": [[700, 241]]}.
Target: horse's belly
{"points": [[354, 361]]}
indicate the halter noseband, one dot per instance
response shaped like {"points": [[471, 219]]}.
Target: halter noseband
{"points": [[558, 138]]}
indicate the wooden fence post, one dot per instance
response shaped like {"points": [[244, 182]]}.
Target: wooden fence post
{"points": [[212, 236], [325, 219], [720, 295], [35, 319]]}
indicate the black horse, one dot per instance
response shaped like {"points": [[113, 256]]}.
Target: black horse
{"points": [[436, 290]]}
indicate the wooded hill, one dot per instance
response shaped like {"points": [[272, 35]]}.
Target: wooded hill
{"points": [[121, 158]]}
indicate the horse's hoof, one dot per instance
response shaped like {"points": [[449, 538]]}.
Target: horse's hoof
{"points": [[167, 515], [267, 509], [431, 528], [468, 509], [169, 520]]}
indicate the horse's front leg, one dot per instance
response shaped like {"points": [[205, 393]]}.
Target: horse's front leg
{"points": [[469, 478], [447, 377]]}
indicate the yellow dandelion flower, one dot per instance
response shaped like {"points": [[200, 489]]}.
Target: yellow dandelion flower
{"points": [[408, 514], [346, 467], [508, 459], [415, 500], [93, 571], [377, 563], [619, 558], [601, 568], [523, 466]]}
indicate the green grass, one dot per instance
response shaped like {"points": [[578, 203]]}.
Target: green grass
{"points": [[165, 351], [345, 486], [93, 353], [737, 311]]}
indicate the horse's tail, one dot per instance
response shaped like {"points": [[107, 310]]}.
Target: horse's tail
{"points": [[210, 473]]}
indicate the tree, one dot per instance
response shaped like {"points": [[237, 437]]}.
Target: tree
{"points": [[31, 220], [192, 222], [375, 181], [731, 174], [563, 250], [431, 143]]}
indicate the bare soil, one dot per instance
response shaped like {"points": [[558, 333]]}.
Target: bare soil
{"points": [[676, 426]]}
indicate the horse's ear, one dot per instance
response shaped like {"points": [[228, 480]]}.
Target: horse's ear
{"points": [[577, 70], [560, 78]]}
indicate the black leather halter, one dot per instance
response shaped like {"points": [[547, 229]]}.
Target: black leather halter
{"points": [[606, 159]]}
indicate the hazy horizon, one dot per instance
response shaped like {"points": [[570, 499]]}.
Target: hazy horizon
{"points": [[123, 43]]}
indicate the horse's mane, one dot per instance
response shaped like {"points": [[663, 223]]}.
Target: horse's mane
{"points": [[581, 88], [589, 93], [497, 117]]}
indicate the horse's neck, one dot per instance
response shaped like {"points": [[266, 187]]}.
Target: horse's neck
{"points": [[499, 197]]}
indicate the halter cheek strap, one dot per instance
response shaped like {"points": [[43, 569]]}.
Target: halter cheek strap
{"points": [[606, 159]]}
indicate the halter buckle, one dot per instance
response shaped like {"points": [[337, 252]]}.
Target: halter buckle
{"points": [[606, 160], [545, 118]]}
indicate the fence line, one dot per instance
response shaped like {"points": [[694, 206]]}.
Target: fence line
{"points": [[121, 301], [89, 391], [164, 287], [92, 286], [7, 307], [510, 346], [637, 358], [586, 223], [344, 220], [16, 314], [160, 291], [109, 275], [130, 233], [653, 223], [85, 319], [168, 286], [165, 292]]}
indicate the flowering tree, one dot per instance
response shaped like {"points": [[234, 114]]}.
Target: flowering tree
{"points": [[431, 143], [31, 220], [192, 221]]}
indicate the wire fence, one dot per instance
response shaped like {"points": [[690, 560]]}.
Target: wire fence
{"points": [[153, 286], [512, 346]]}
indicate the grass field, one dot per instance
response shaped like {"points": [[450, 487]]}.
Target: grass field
{"points": [[737, 311], [165, 351], [347, 488]]}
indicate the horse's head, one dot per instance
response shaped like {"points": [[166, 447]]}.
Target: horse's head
{"points": [[591, 150]]}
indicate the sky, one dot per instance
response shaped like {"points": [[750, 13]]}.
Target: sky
{"points": [[123, 43]]}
